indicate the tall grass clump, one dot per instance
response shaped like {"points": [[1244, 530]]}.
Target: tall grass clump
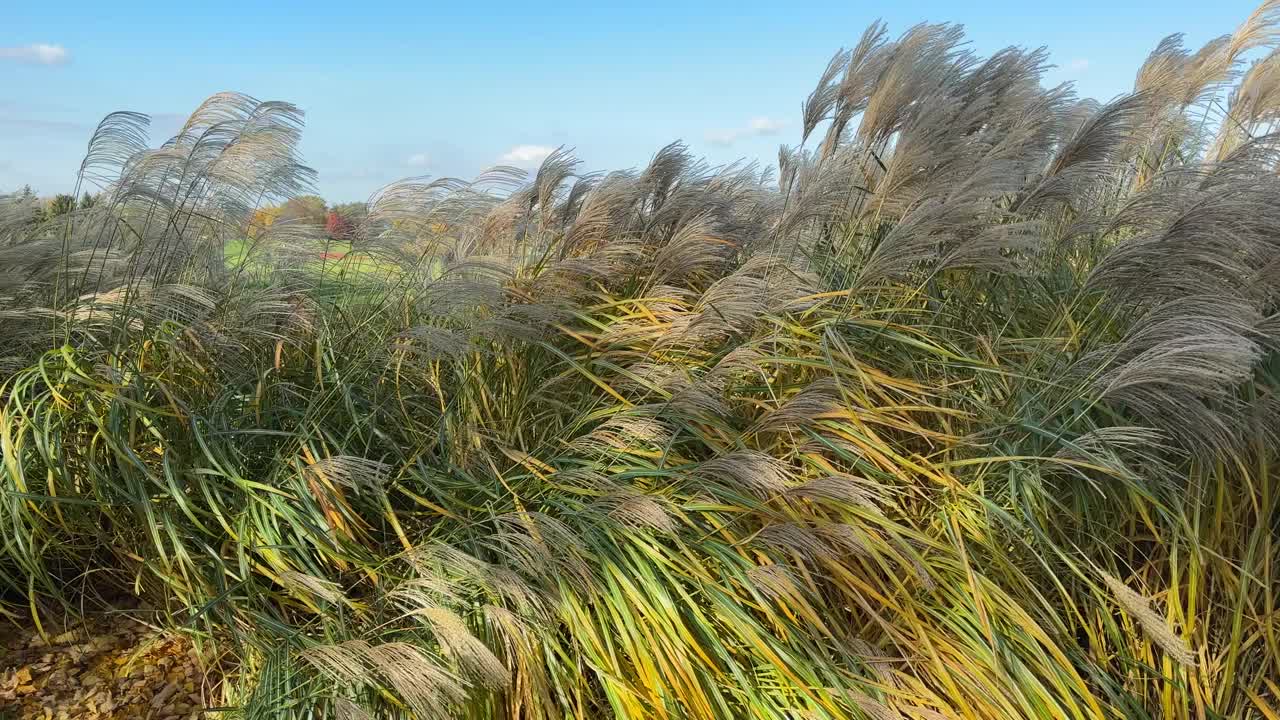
{"points": [[968, 412]]}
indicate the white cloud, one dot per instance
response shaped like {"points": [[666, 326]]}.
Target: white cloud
{"points": [[1078, 65], [38, 53], [766, 125], [756, 127], [526, 156], [418, 160], [723, 137]]}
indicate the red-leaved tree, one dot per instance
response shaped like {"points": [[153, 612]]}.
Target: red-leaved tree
{"points": [[337, 226]]}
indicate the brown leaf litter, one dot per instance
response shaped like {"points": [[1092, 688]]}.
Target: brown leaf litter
{"points": [[107, 668]]}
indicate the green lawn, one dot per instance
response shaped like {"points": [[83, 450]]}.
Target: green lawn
{"points": [[336, 261]]}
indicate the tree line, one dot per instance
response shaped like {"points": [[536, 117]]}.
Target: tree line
{"points": [[338, 220]]}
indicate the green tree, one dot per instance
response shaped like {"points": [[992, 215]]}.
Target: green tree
{"points": [[352, 212], [309, 209], [61, 204]]}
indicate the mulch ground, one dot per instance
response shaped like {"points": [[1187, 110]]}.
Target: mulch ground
{"points": [[107, 668]]}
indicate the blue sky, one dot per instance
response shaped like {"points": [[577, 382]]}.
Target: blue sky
{"points": [[396, 89]]}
